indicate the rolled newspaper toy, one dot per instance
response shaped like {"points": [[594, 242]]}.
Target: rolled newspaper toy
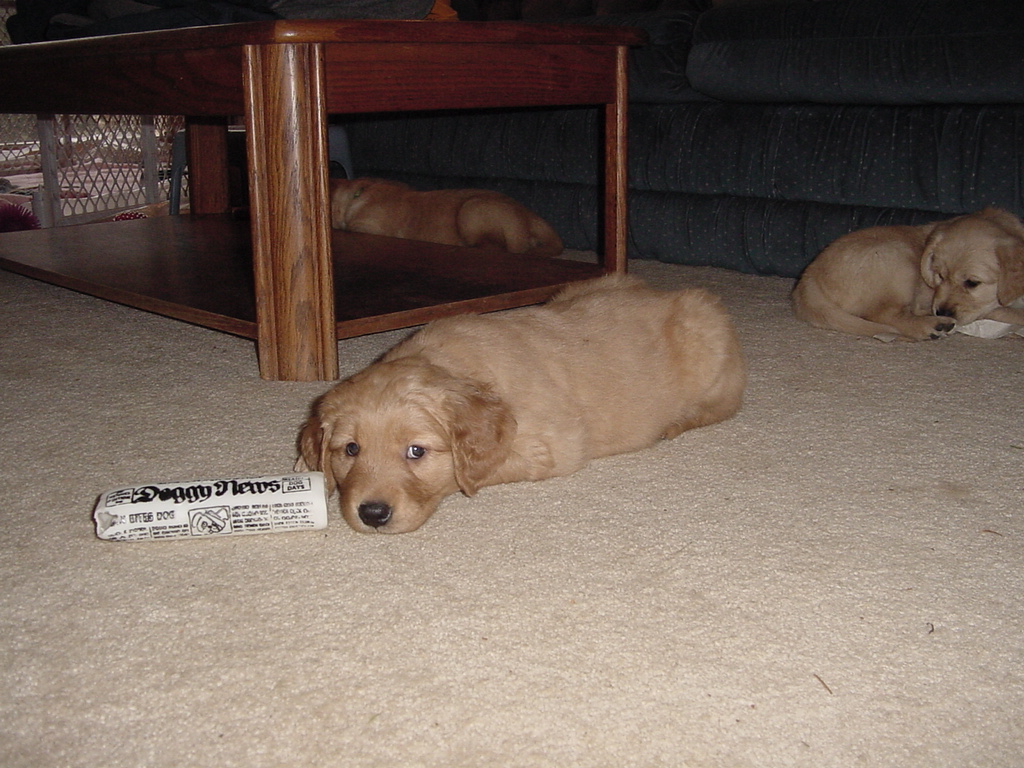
{"points": [[990, 329], [208, 508]]}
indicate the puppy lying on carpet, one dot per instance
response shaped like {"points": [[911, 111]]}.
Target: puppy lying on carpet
{"points": [[469, 217], [917, 282], [607, 366]]}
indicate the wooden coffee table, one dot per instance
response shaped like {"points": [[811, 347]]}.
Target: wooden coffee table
{"points": [[285, 278]]}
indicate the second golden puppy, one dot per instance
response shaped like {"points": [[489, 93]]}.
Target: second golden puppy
{"points": [[605, 367], [468, 217], [917, 282]]}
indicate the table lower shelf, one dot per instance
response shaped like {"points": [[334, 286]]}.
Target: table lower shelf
{"points": [[199, 269]]}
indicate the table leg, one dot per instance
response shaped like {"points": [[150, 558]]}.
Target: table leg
{"points": [[207, 150], [616, 211], [286, 134]]}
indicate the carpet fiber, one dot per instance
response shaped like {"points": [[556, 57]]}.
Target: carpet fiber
{"points": [[835, 577]]}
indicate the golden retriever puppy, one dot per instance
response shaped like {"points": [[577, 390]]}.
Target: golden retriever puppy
{"points": [[468, 217], [919, 282], [607, 366]]}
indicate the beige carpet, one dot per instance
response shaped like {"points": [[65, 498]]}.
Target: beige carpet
{"points": [[833, 578]]}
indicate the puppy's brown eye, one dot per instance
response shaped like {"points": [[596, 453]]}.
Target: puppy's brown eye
{"points": [[352, 449], [971, 284], [415, 452]]}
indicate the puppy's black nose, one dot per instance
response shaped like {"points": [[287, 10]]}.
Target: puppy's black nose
{"points": [[375, 513], [944, 312]]}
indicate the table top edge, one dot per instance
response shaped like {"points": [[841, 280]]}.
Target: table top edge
{"points": [[335, 31]]}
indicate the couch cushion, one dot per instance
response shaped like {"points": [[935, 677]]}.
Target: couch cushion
{"points": [[862, 52], [350, 9], [657, 71], [929, 157], [948, 158]]}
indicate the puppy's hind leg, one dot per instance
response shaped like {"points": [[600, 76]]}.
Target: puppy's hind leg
{"points": [[707, 346], [813, 306], [543, 239], [704, 415], [508, 225]]}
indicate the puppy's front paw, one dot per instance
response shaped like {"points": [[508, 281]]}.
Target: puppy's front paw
{"points": [[922, 328], [942, 326]]}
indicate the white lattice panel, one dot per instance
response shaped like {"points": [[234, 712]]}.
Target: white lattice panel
{"points": [[81, 167]]}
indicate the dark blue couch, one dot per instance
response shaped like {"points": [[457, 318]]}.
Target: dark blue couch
{"points": [[759, 131]]}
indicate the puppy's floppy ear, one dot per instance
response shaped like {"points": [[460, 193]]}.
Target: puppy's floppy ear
{"points": [[315, 450], [1011, 272], [1004, 219], [1010, 254], [482, 428], [931, 235], [928, 273]]}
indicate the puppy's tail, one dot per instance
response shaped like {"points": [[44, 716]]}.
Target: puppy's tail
{"points": [[814, 306]]}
